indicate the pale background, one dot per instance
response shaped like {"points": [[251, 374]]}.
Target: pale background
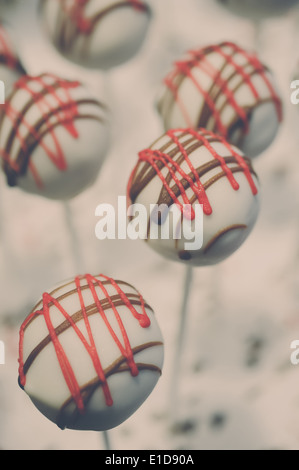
{"points": [[239, 389]]}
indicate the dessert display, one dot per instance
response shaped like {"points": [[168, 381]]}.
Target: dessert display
{"points": [[186, 168], [54, 135], [227, 90], [91, 352], [96, 33]]}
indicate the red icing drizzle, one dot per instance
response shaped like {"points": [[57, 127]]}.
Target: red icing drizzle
{"points": [[200, 59], [122, 343], [152, 156], [76, 12], [6, 50], [63, 108]]}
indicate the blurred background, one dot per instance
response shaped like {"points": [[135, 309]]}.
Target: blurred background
{"points": [[237, 386]]}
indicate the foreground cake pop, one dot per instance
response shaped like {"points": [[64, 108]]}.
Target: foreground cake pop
{"points": [[91, 352], [10, 66], [258, 8], [96, 33], [185, 168], [54, 135], [227, 90]]}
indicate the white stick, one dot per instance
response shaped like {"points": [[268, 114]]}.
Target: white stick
{"points": [[3, 237], [76, 250], [9, 260], [175, 379], [257, 31], [79, 266], [106, 440]]}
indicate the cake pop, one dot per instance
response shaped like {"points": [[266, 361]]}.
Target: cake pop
{"points": [[184, 168], [10, 66], [257, 9], [227, 90], [54, 136], [96, 33], [187, 169], [91, 352]]}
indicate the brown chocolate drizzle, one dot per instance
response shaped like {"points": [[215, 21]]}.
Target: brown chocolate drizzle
{"points": [[76, 317], [81, 394], [220, 91], [65, 113], [184, 255], [88, 389], [72, 24], [171, 190]]}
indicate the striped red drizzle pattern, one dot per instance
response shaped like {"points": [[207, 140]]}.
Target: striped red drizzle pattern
{"points": [[199, 59], [158, 160], [76, 11], [49, 301]]}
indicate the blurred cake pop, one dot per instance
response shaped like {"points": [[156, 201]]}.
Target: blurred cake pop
{"points": [[227, 90], [257, 9], [54, 136], [186, 168], [96, 33], [91, 352], [10, 65]]}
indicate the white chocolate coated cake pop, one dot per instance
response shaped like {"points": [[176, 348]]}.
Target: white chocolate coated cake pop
{"points": [[10, 65], [227, 90], [258, 9], [54, 136], [91, 352], [96, 33], [191, 169]]}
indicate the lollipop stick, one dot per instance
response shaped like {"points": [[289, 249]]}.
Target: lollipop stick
{"points": [[180, 340], [79, 266], [9, 260], [257, 31], [75, 245], [3, 238], [106, 440]]}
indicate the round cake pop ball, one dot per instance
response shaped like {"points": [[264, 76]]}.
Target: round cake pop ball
{"points": [[226, 90], [185, 170], [257, 9], [10, 65], [96, 33], [54, 136], [91, 352]]}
